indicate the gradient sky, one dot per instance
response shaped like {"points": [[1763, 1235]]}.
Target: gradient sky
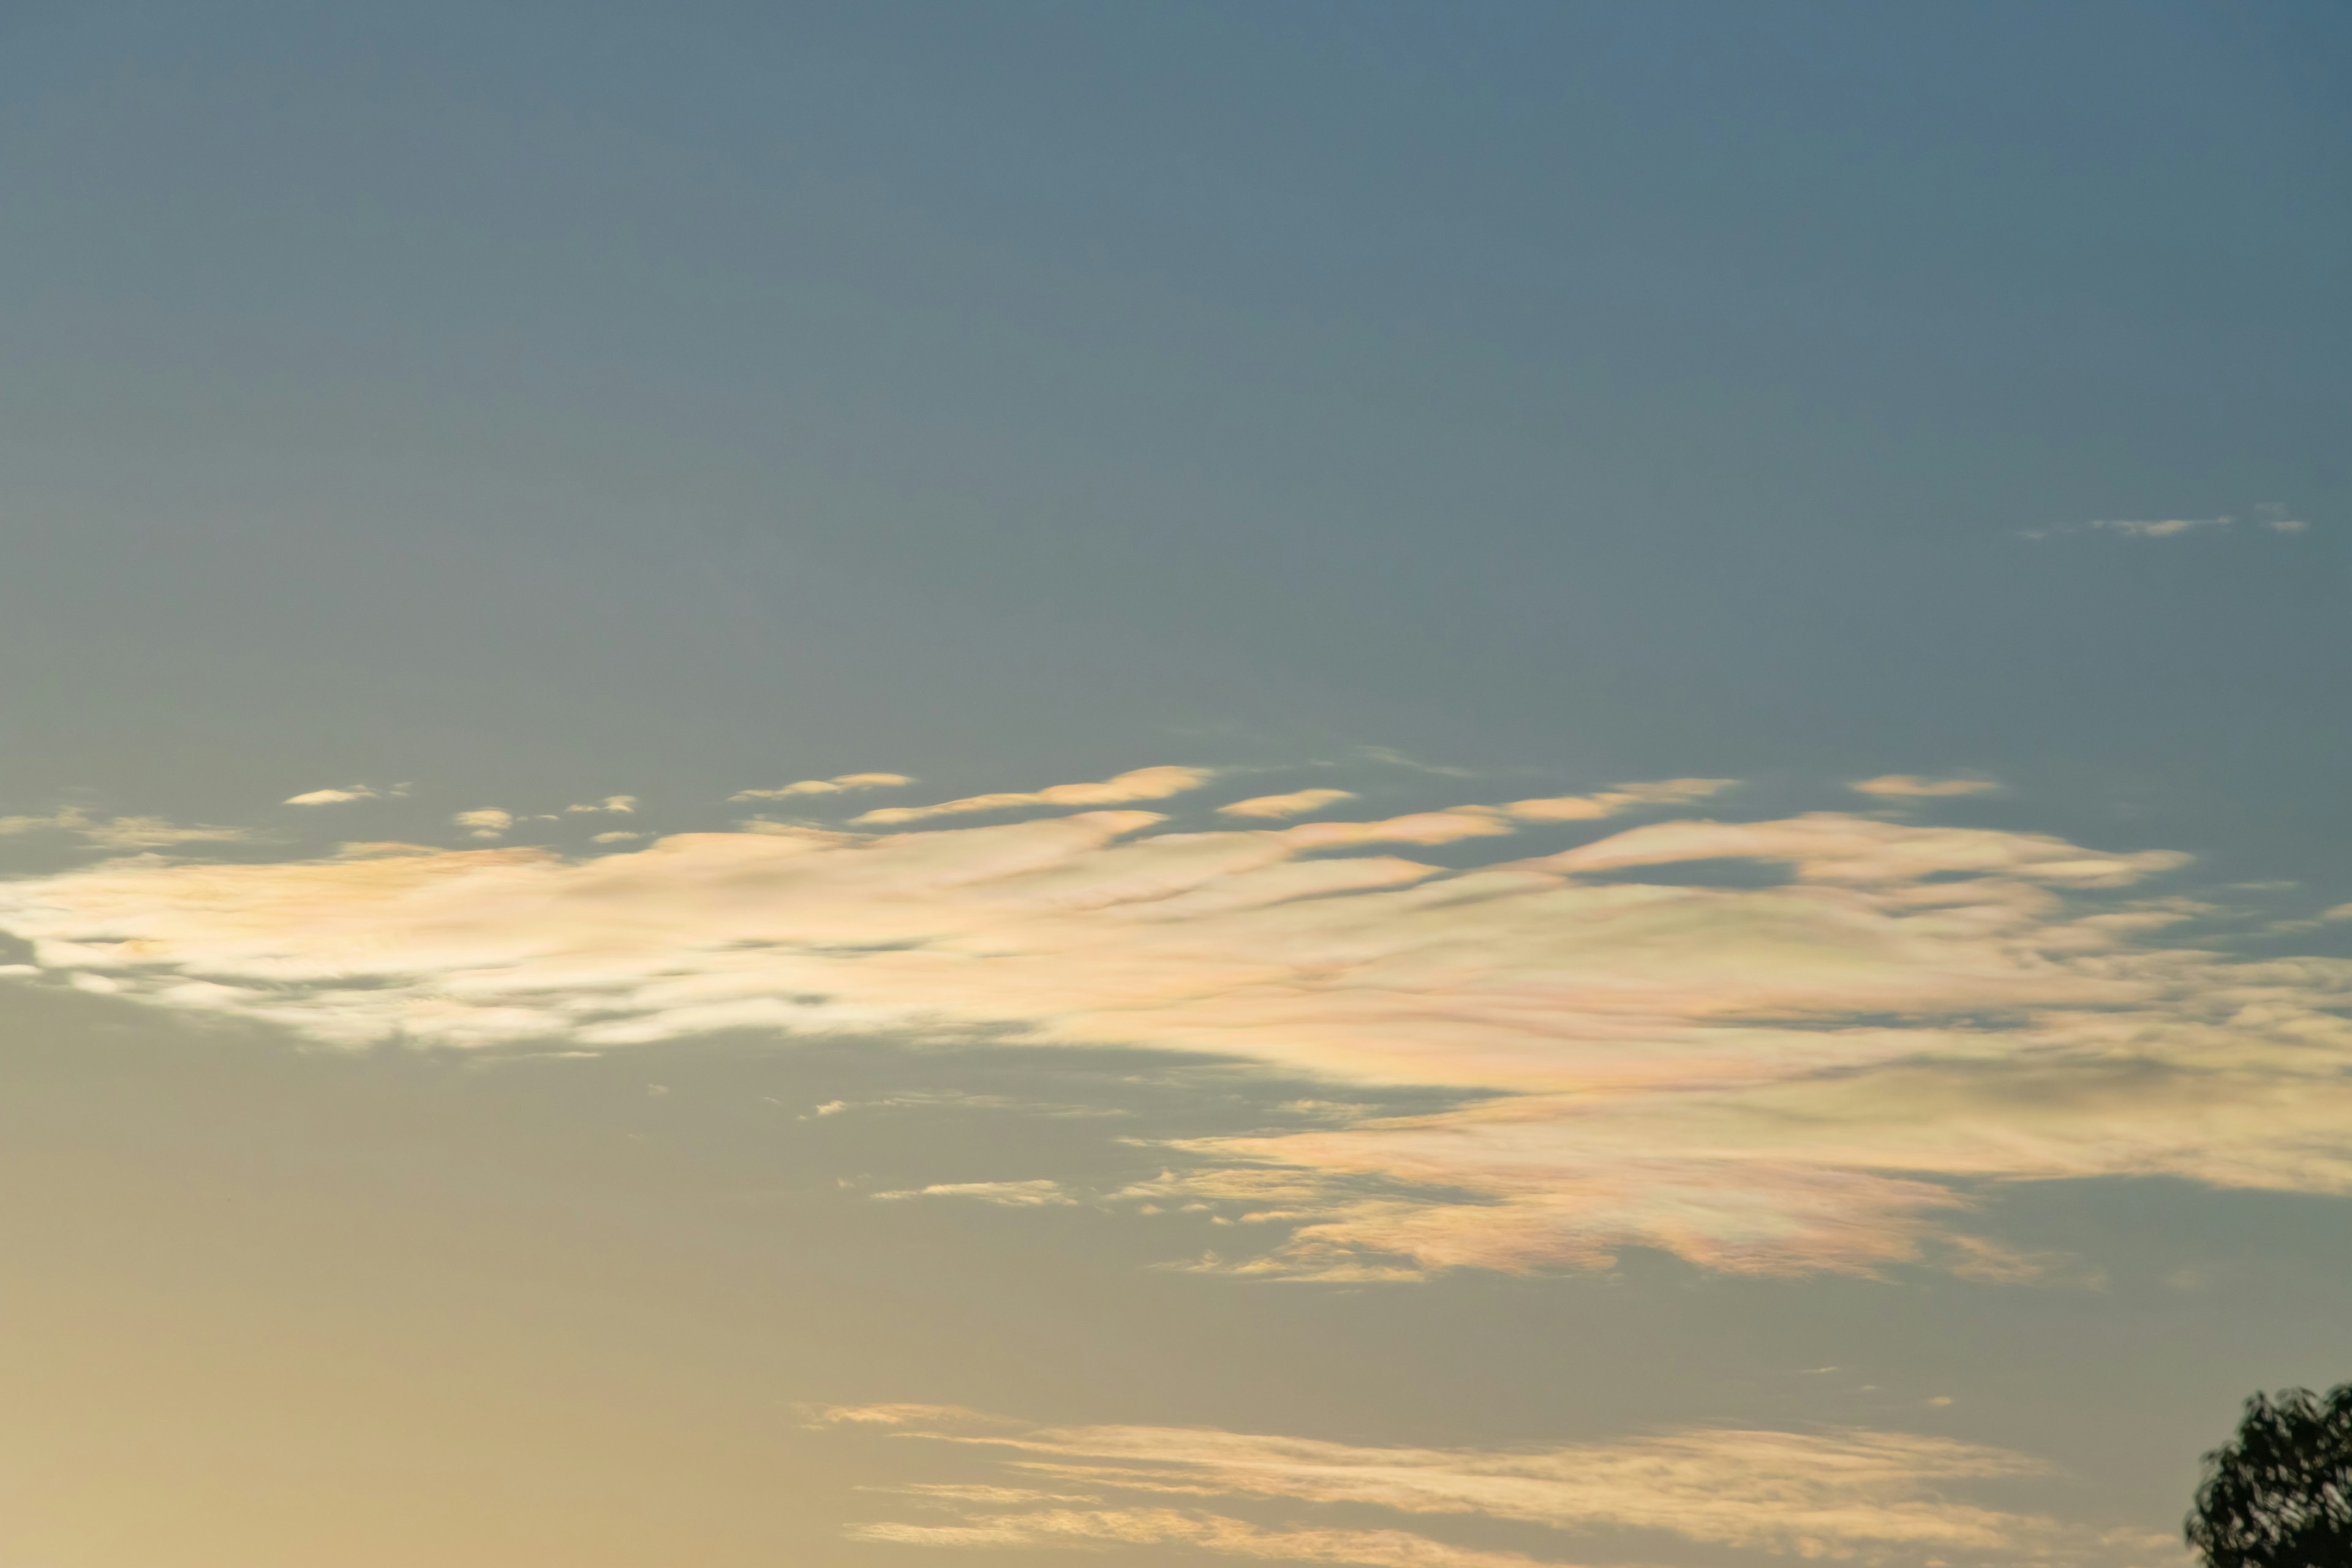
{"points": [[907, 785]]}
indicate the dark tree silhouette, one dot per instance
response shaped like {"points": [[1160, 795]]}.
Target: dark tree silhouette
{"points": [[2279, 1495]]}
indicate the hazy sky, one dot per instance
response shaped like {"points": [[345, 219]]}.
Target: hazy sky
{"points": [[1433, 786]]}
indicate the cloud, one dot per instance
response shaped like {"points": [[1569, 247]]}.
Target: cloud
{"points": [[488, 822], [620, 803], [1850, 1493], [1824, 1073], [1913, 786], [1142, 784], [331, 796], [121, 832], [616, 837], [1009, 1195], [2169, 528], [834, 786], [1623, 797], [2269, 515], [1298, 803]]}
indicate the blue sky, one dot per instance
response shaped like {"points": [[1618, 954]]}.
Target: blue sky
{"points": [[1672, 669]]}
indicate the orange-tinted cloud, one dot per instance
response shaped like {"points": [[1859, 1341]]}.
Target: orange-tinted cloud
{"points": [[1139, 784]]}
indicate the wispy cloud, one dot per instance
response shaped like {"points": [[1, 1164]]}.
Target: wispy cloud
{"points": [[2269, 515], [1817, 1074], [1298, 803], [487, 822], [1611, 802], [838, 784], [622, 805], [1141, 784], [121, 832], [1838, 1494], [1913, 786]]}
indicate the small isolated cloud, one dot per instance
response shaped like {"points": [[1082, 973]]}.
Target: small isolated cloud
{"points": [[1623, 798], [2269, 515], [619, 835], [1141, 784], [1298, 803], [1913, 786], [488, 822], [619, 804], [834, 786], [1841, 1494], [2166, 528], [331, 796]]}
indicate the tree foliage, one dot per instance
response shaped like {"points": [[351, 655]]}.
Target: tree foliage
{"points": [[2279, 1495]]}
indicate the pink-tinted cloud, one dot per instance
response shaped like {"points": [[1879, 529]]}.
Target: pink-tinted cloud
{"points": [[1811, 1075]]}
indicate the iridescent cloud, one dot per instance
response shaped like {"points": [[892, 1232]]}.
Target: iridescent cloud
{"points": [[1836, 1494], [1818, 1073]]}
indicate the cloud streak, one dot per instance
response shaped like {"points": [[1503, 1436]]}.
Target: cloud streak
{"points": [[1141, 784], [1817, 1073], [1838, 1494]]}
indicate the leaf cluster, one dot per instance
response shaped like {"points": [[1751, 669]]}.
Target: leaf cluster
{"points": [[2279, 1495]]}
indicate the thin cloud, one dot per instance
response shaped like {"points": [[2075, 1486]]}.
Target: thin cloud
{"points": [[1622, 798], [488, 822], [123, 832], [1839, 1494], [1298, 803], [1008, 1194], [1142, 784], [331, 796], [835, 785], [1821, 1074], [1913, 786], [621, 805], [2269, 515]]}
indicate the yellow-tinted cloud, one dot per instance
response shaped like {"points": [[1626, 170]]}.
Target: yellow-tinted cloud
{"points": [[1623, 797], [1839, 1494], [1913, 786], [121, 832], [835, 785], [1298, 803], [1141, 784], [488, 822], [1812, 1075]]}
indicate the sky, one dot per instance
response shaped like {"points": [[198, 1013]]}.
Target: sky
{"points": [[918, 785]]}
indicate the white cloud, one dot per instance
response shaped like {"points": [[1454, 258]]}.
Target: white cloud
{"points": [[834, 786], [488, 822], [619, 835], [1819, 1074], [1010, 1194], [1298, 803], [617, 804], [1841, 1494], [331, 796], [1141, 784]]}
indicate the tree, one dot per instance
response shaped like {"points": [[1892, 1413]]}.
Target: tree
{"points": [[2280, 1494]]}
